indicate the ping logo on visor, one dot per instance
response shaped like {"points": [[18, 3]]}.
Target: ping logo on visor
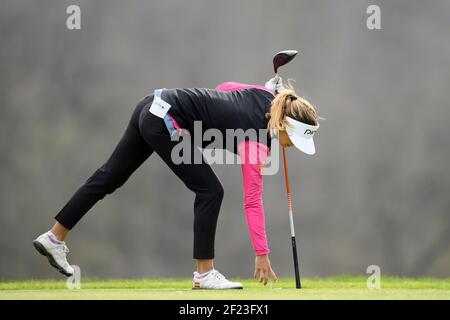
{"points": [[310, 132], [301, 135]]}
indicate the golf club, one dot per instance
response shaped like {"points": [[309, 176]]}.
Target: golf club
{"points": [[280, 59], [298, 284]]}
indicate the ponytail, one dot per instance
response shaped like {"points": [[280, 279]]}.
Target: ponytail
{"points": [[277, 113], [287, 103]]}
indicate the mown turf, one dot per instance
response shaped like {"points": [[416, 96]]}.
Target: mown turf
{"points": [[344, 287]]}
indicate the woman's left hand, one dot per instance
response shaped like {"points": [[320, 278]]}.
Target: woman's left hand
{"points": [[263, 269]]}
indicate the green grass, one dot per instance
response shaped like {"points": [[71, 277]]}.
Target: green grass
{"points": [[344, 287]]}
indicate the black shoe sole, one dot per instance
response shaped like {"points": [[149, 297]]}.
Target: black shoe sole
{"points": [[41, 249]]}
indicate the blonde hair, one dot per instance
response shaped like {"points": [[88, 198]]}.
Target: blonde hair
{"points": [[287, 103]]}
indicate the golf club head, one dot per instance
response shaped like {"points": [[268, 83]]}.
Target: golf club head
{"points": [[283, 57]]}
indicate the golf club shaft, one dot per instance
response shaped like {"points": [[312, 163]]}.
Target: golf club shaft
{"points": [[291, 222]]}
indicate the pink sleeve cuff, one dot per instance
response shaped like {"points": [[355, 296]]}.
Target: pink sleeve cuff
{"points": [[262, 252]]}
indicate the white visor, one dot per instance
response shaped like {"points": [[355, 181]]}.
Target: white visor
{"points": [[301, 135]]}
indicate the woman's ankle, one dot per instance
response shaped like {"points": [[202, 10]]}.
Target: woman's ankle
{"points": [[205, 265], [60, 231]]}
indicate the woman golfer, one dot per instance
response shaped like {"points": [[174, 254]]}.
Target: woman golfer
{"points": [[154, 120]]}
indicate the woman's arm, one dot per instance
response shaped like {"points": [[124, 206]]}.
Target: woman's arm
{"points": [[252, 155], [234, 86]]}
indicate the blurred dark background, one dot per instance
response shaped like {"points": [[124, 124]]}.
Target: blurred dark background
{"points": [[377, 192]]}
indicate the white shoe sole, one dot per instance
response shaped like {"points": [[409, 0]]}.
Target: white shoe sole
{"points": [[238, 288]]}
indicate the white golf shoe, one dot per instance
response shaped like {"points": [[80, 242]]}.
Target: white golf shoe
{"points": [[213, 280], [55, 251]]}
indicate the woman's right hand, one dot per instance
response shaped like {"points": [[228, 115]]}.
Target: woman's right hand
{"points": [[263, 269], [275, 84]]}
